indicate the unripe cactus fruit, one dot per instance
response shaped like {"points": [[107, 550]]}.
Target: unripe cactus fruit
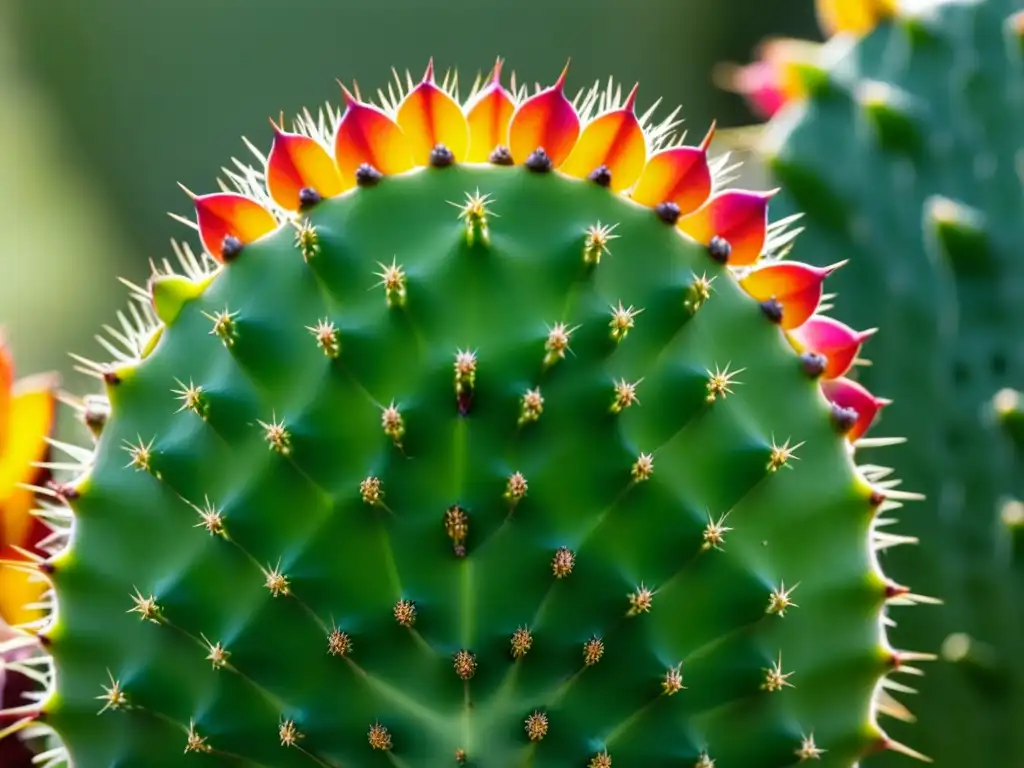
{"points": [[465, 445]]}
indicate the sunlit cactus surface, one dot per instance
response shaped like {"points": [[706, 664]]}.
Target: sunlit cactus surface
{"points": [[491, 432]]}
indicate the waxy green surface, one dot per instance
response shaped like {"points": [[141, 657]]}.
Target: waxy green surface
{"points": [[348, 562]]}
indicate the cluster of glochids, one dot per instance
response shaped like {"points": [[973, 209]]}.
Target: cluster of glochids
{"points": [[598, 138]]}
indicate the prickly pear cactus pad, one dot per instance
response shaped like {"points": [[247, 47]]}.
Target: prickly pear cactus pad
{"points": [[925, 200], [487, 433]]}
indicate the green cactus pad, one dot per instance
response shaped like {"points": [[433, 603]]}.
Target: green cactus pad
{"points": [[477, 464], [906, 160]]}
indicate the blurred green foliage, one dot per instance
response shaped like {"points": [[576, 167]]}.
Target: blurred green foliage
{"points": [[58, 233]]}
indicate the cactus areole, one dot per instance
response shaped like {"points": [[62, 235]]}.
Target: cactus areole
{"points": [[488, 433]]}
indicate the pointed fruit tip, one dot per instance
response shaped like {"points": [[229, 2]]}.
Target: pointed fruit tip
{"points": [[560, 82], [346, 94], [631, 98], [170, 293], [709, 136]]}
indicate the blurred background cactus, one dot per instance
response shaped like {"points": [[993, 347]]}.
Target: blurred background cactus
{"points": [[901, 142]]}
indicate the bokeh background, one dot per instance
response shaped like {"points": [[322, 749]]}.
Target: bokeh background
{"points": [[105, 105]]}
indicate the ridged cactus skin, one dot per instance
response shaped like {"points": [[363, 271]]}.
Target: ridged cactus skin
{"points": [[448, 454], [905, 158]]}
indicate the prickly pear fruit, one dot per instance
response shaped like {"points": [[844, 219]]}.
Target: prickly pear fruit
{"points": [[904, 155], [27, 414], [463, 443], [27, 411]]}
